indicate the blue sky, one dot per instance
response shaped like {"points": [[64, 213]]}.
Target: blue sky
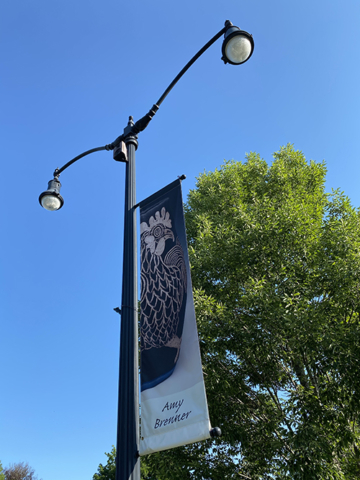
{"points": [[71, 74]]}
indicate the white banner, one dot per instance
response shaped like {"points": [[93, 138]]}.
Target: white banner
{"points": [[174, 409]]}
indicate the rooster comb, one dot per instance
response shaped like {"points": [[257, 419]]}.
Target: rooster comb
{"points": [[163, 218]]}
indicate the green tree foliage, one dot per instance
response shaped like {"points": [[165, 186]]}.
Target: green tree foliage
{"points": [[107, 472], [276, 269], [276, 275], [2, 476]]}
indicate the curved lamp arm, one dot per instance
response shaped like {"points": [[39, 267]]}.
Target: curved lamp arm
{"points": [[228, 24], [59, 170], [141, 124]]}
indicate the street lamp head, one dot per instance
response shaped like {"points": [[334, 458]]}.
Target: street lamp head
{"points": [[237, 46], [51, 198]]}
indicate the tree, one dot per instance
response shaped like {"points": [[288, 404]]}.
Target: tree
{"points": [[107, 472], [276, 275], [2, 476], [276, 270], [20, 471]]}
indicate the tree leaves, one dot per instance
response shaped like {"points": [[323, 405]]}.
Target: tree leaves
{"points": [[277, 259]]}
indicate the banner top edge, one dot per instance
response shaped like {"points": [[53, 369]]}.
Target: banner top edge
{"points": [[160, 192]]}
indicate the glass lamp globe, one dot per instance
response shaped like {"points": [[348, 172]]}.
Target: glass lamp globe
{"points": [[238, 49], [51, 202], [238, 46]]}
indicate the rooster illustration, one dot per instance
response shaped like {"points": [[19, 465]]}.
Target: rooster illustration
{"points": [[163, 298]]}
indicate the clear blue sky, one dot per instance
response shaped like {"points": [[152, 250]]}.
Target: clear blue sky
{"points": [[71, 74]]}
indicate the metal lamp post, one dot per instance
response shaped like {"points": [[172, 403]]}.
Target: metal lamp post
{"points": [[237, 48]]}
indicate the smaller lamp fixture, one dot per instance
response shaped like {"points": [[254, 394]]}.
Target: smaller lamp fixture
{"points": [[237, 46], [51, 199]]}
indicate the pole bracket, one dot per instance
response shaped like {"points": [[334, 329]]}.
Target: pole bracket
{"points": [[120, 153]]}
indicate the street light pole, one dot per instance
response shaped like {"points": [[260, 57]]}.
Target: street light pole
{"points": [[237, 48], [127, 444]]}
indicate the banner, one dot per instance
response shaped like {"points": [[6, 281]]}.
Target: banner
{"points": [[174, 408]]}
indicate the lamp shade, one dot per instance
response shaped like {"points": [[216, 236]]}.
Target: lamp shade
{"points": [[237, 47], [51, 199]]}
